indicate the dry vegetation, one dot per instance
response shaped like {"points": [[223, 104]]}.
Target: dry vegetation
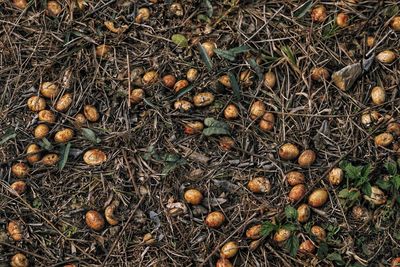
{"points": [[291, 159]]}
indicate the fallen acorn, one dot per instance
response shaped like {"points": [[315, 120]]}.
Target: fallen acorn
{"points": [[378, 95], [20, 170], [41, 131], [103, 50], [203, 99], [288, 151], [335, 176], [47, 116], [109, 213], [33, 153], [110, 25], [259, 185], [281, 235], [225, 81], [20, 4], [91, 113], [94, 157], [395, 23], [254, 232], [137, 96], [94, 220], [294, 178], [342, 20], [49, 89], [231, 112], [307, 158], [370, 41], [215, 219], [383, 139], [169, 80], [14, 230], [319, 74], [191, 74], [80, 120], [19, 260], [318, 13], [359, 213], [64, 103], [180, 85], [50, 159], [267, 122], [318, 197], [222, 262], [257, 109], [395, 261], [226, 143], [307, 247], [19, 187], [209, 47], [150, 77], [194, 127], [246, 78], [393, 128], [269, 79], [176, 9], [53, 8], [377, 196], [386, 57], [229, 250], [297, 192], [303, 213], [193, 196], [183, 105], [36, 103], [143, 14], [64, 135], [318, 232], [148, 239]]}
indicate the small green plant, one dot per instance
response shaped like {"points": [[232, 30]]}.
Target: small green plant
{"points": [[391, 182], [358, 176]]}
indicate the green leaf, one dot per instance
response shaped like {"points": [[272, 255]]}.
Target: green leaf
{"points": [[256, 68], [180, 40], [396, 181], [235, 85], [204, 56], [391, 167], [203, 18], [366, 189], [267, 228], [209, 8], [37, 203], [240, 49], [171, 162], [183, 91], [292, 244], [290, 227], [385, 185], [344, 193], [291, 213], [303, 9], [336, 257], [322, 251], [391, 10], [45, 144], [287, 51], [225, 54], [90, 135], [64, 155], [353, 172], [215, 131], [211, 122], [366, 170], [9, 134]]}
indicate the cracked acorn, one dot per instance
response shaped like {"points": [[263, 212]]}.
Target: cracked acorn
{"points": [[94, 157]]}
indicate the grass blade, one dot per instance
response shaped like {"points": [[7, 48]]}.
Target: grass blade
{"points": [[64, 152], [9, 134], [90, 135], [205, 57], [225, 54], [303, 9], [183, 92], [256, 68], [235, 85]]}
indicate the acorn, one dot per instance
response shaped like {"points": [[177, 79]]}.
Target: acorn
{"points": [[288, 151], [395, 23], [254, 244], [64, 103], [80, 119], [225, 81], [267, 122], [386, 56], [137, 96], [222, 262], [231, 112], [183, 105], [294, 178], [335, 176], [148, 239], [246, 78], [359, 213], [194, 127], [342, 20], [318, 198], [203, 99], [36, 103], [15, 231], [64, 135], [269, 80], [318, 13], [143, 14], [109, 213], [91, 113], [53, 8], [377, 196], [191, 74], [370, 41], [176, 9], [254, 232], [94, 220], [229, 250], [226, 143], [193, 196], [47, 116], [20, 4], [94, 157], [378, 95], [383, 139], [181, 84], [20, 170], [50, 159], [297, 192], [369, 117], [41, 131], [19, 260], [103, 50], [393, 128], [215, 219], [395, 262], [259, 185], [319, 74], [318, 232], [307, 158], [33, 151], [282, 235], [169, 80], [257, 109], [19, 187], [49, 89], [307, 247], [150, 77], [303, 213], [209, 48]]}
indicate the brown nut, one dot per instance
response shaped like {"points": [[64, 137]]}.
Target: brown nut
{"points": [[203, 99], [191, 74], [395, 261], [318, 198], [103, 50], [370, 41], [282, 235], [91, 113], [318, 232], [169, 80], [254, 244], [359, 213], [259, 185], [231, 112], [246, 78], [269, 80], [50, 159], [222, 262], [94, 220], [20, 4], [19, 187], [225, 81], [378, 95], [194, 127], [110, 25], [64, 135], [49, 89], [393, 128], [297, 192], [319, 74], [215, 219], [193, 196], [176, 9], [94, 157], [181, 84], [303, 213], [257, 109], [254, 232], [267, 122], [33, 153], [143, 14], [14, 230], [47, 116], [383, 139], [226, 143], [109, 213], [183, 105], [20, 170], [148, 239], [395, 23], [80, 119], [342, 20], [386, 57], [294, 178], [36, 103], [150, 77], [64, 103], [19, 260], [229, 250], [288, 151], [209, 47], [137, 96], [41, 131], [53, 8], [377, 196], [307, 247], [318, 14], [307, 158], [335, 176]]}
